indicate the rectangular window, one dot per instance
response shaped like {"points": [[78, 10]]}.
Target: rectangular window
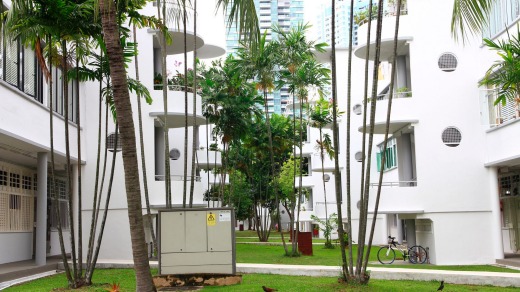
{"points": [[59, 190], [391, 155], [26, 182], [3, 178], [19, 67], [16, 213], [14, 180]]}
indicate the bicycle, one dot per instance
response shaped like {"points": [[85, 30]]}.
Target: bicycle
{"points": [[415, 254]]}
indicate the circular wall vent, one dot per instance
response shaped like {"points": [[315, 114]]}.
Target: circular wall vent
{"points": [[358, 204], [175, 154], [358, 156], [451, 137], [357, 109], [447, 62]]}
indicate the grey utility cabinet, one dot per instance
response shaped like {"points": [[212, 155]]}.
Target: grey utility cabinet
{"points": [[197, 241]]}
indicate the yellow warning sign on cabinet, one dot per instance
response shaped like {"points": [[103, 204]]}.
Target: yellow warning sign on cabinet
{"points": [[211, 220]]}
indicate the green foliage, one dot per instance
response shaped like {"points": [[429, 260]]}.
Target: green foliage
{"points": [[469, 17], [286, 179], [239, 193], [504, 74], [327, 226]]}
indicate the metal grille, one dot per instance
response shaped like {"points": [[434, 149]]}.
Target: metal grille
{"points": [[16, 212], [29, 70], [14, 180], [26, 182], [4, 204], [3, 178], [111, 142], [451, 137], [447, 62], [423, 225], [11, 62]]}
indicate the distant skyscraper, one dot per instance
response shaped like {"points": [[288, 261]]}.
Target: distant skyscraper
{"points": [[284, 13], [324, 23]]}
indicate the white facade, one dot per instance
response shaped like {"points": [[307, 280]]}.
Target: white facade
{"points": [[25, 145], [457, 197], [437, 191]]}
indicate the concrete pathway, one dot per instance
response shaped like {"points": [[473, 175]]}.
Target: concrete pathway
{"points": [[454, 277]]}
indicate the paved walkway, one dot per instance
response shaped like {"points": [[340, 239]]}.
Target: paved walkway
{"points": [[454, 277]]}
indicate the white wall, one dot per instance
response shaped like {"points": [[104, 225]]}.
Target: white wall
{"points": [[16, 246]]}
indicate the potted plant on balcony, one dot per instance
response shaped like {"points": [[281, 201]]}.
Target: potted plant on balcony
{"points": [[504, 74]]}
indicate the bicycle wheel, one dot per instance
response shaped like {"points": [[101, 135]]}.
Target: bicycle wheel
{"points": [[417, 255], [386, 255]]}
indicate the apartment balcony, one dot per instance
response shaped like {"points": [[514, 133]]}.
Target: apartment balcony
{"points": [[404, 112], [307, 149], [216, 179], [319, 207], [208, 159], [398, 200], [210, 37], [387, 37], [307, 181], [328, 163], [176, 108]]}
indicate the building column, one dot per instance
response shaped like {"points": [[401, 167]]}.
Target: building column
{"points": [[496, 221], [41, 211]]}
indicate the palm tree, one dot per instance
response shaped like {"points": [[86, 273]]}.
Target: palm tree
{"points": [[230, 103], [320, 116], [260, 63], [469, 17], [295, 50], [308, 74], [123, 106], [505, 73]]}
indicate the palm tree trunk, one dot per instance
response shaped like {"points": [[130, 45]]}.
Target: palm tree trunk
{"points": [[97, 190], [80, 221], [387, 129], [322, 156], [362, 278], [69, 166], [185, 179], [125, 120], [90, 273], [141, 143], [337, 174], [194, 138], [349, 106], [361, 236], [53, 178], [167, 177]]}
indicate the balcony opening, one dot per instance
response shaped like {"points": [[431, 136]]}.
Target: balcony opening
{"points": [[400, 155]]}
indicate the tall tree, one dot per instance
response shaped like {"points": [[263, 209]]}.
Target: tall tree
{"points": [[125, 120], [321, 116]]}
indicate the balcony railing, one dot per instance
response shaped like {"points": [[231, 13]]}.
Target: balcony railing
{"points": [[402, 183], [397, 94], [494, 115], [177, 178]]}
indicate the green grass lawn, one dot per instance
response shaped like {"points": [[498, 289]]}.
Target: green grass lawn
{"points": [[251, 282], [269, 254]]}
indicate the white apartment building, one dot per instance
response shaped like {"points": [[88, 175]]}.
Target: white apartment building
{"points": [[27, 223], [452, 173]]}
